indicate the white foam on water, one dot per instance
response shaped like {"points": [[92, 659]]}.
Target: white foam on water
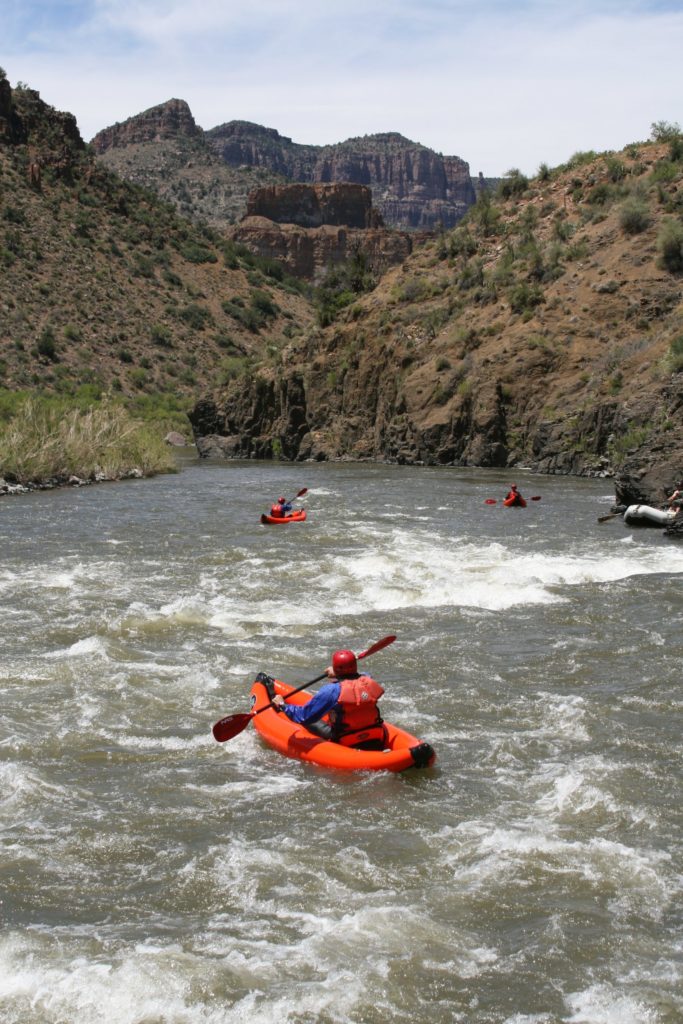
{"points": [[407, 568], [23, 790], [41, 982], [604, 1004], [88, 646]]}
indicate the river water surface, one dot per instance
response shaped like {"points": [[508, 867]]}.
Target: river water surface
{"points": [[152, 876]]}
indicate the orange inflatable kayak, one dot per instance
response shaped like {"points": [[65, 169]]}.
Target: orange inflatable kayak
{"points": [[297, 516], [517, 502], [402, 750]]}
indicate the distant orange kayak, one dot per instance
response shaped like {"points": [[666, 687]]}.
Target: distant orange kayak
{"points": [[517, 502], [293, 517], [293, 740]]}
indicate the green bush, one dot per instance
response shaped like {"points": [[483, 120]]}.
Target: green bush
{"points": [[664, 131], [161, 335], [195, 316], [670, 246], [525, 297], [634, 217], [513, 183], [675, 357], [46, 344]]}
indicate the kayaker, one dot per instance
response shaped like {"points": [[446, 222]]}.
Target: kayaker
{"points": [[281, 509], [350, 701], [513, 495]]}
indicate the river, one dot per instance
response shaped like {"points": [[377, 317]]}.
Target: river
{"points": [[153, 876]]}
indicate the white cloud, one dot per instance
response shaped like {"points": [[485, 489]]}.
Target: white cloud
{"points": [[499, 84]]}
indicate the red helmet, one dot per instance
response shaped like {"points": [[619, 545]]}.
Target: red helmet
{"points": [[283, 501], [344, 663]]}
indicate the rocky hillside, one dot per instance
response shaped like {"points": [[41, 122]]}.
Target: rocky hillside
{"points": [[209, 174], [104, 285], [545, 331]]}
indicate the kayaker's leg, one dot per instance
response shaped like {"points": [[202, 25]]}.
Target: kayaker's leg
{"points": [[321, 729]]}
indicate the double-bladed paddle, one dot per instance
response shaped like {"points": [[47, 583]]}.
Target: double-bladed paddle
{"points": [[492, 501], [304, 490], [232, 725]]}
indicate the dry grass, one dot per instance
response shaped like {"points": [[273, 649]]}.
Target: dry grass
{"points": [[44, 443]]}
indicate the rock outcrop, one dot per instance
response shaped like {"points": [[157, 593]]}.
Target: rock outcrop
{"points": [[169, 120], [312, 206], [308, 228]]}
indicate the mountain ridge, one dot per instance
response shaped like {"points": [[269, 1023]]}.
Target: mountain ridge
{"points": [[413, 186]]}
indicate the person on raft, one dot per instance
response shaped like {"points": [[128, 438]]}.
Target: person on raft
{"points": [[675, 500], [350, 703], [514, 496], [281, 509]]}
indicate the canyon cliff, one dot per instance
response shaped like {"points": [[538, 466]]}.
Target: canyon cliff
{"points": [[546, 332], [413, 187]]}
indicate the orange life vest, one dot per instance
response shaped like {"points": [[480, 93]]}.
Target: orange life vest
{"points": [[355, 719], [276, 512]]}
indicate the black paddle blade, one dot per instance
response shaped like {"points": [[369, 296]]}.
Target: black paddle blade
{"points": [[230, 726]]}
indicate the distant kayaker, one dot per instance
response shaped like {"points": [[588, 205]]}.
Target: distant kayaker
{"points": [[281, 508], [513, 497], [349, 701]]}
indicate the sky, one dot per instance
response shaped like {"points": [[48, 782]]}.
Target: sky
{"points": [[500, 84]]}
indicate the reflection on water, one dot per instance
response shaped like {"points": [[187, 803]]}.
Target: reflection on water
{"points": [[150, 874]]}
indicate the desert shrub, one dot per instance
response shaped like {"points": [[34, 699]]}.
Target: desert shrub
{"points": [[485, 215], [472, 275], [616, 169], [462, 243], [664, 131], [194, 252], [543, 173], [161, 335], [46, 345], [600, 195], [513, 183], [670, 246], [675, 354], [634, 216], [195, 316], [663, 172], [443, 364], [262, 303], [525, 297], [676, 149], [580, 158]]}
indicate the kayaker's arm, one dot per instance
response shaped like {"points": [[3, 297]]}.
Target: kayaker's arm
{"points": [[322, 702]]}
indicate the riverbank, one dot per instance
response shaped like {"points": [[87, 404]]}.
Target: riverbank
{"points": [[43, 446]]}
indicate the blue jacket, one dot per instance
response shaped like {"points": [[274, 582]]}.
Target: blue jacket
{"points": [[286, 507], [322, 702]]}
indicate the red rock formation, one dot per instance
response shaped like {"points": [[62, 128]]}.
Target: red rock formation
{"points": [[312, 206], [165, 121], [309, 227]]}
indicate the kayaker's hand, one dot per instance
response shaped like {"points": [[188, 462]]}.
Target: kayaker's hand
{"points": [[278, 702]]}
